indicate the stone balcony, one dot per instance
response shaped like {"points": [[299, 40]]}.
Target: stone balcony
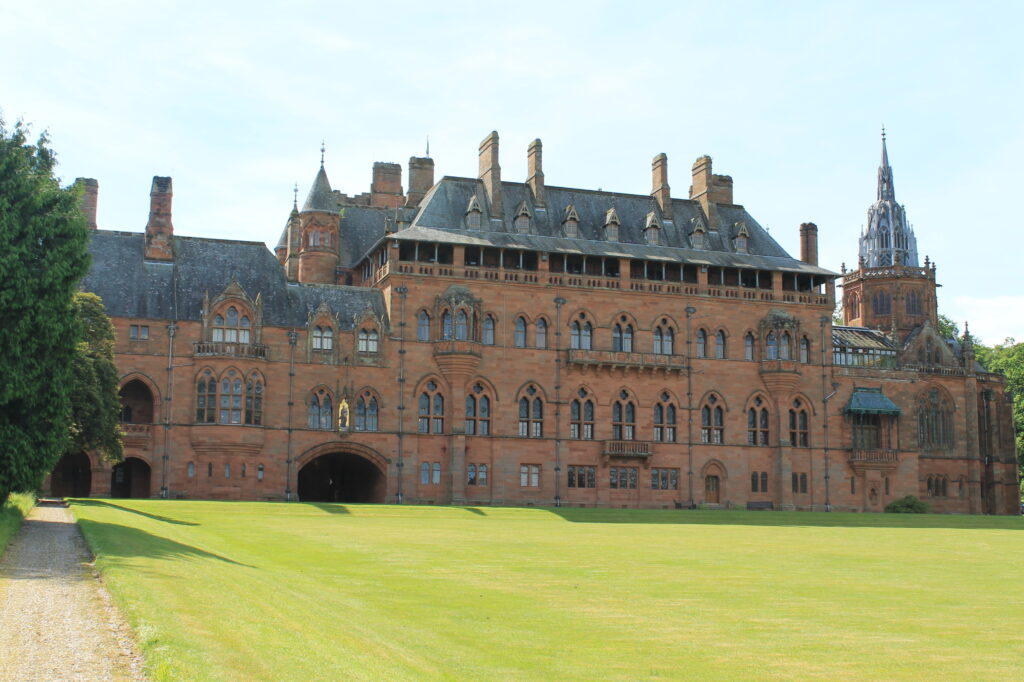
{"points": [[874, 459], [138, 436], [781, 376], [255, 351], [610, 360], [457, 357], [627, 449]]}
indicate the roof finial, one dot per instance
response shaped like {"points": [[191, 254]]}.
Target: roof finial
{"points": [[295, 199], [323, 148]]}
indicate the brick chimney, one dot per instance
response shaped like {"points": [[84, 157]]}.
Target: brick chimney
{"points": [[809, 243], [386, 188], [710, 189], [159, 230], [421, 179], [535, 172], [659, 185], [90, 197], [490, 173]]}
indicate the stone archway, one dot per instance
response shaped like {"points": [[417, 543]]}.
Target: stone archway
{"points": [[130, 478], [136, 403], [72, 477], [341, 476]]}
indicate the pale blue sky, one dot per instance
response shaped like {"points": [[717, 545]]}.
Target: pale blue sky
{"points": [[232, 100]]}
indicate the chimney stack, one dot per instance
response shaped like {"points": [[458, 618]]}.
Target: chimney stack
{"points": [[659, 185], [159, 230], [386, 188], [421, 179], [809, 243], [490, 173], [535, 172], [90, 197]]}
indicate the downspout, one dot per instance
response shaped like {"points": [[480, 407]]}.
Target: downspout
{"points": [[690, 310], [825, 397], [293, 339], [172, 330], [559, 302], [402, 292]]}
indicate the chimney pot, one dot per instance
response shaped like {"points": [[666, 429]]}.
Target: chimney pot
{"points": [[660, 189], [159, 229], [809, 243], [535, 172], [490, 173], [421, 179]]}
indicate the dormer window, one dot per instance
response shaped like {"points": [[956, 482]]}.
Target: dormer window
{"points": [[521, 224], [571, 223], [231, 327], [698, 239], [323, 338], [739, 242], [473, 213], [652, 229], [611, 225]]}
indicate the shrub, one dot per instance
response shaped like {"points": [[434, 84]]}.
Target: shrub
{"points": [[907, 505]]}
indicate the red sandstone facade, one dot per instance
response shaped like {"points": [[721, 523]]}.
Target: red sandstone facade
{"points": [[485, 342]]}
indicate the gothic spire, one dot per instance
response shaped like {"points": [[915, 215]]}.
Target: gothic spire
{"points": [[885, 188], [320, 197]]}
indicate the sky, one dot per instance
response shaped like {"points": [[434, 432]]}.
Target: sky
{"points": [[233, 100]]}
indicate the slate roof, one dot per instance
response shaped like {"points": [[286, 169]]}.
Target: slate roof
{"points": [[131, 286], [442, 218], [870, 401], [861, 337], [320, 197]]}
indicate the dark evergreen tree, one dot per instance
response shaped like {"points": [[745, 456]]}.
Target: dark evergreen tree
{"points": [[95, 404], [43, 238]]}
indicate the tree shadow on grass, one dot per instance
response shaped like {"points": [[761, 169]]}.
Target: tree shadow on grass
{"points": [[92, 502], [329, 507], [475, 510], [112, 540], [787, 518]]}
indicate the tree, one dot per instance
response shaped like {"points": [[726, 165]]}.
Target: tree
{"points": [[43, 238], [95, 404], [948, 329], [1008, 358]]}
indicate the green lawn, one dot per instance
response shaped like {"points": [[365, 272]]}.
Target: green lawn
{"points": [[221, 590], [11, 514]]}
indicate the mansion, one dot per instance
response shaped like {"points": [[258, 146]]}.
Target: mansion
{"points": [[475, 341]]}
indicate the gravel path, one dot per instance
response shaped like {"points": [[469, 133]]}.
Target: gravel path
{"points": [[56, 620]]}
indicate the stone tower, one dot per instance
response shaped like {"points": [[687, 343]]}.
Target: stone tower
{"points": [[319, 234], [888, 290]]}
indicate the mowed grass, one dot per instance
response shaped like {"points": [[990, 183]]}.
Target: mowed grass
{"points": [[240, 591]]}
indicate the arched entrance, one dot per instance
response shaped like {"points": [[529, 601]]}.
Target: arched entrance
{"points": [[136, 403], [341, 477], [72, 477], [130, 478]]}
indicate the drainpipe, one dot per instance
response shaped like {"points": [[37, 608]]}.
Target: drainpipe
{"points": [[824, 401], [402, 292], [293, 339], [559, 302], [690, 310], [172, 330]]}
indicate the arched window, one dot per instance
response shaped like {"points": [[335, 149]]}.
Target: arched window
{"points": [[772, 346], [748, 346], [206, 398], [934, 421], [487, 338], [665, 419], [664, 339], [627, 338], [882, 303], [320, 410], [232, 329], [720, 344], [446, 325], [367, 411], [581, 335], [805, 347], [323, 338], [369, 341], [541, 334], [623, 418], [581, 416], [431, 409], [854, 306], [798, 434], [254, 399], [702, 343], [531, 414], [622, 336], [461, 326], [519, 338], [758, 423], [784, 346], [712, 422], [423, 326], [478, 412], [231, 398]]}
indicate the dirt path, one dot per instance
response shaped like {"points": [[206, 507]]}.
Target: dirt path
{"points": [[56, 620]]}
